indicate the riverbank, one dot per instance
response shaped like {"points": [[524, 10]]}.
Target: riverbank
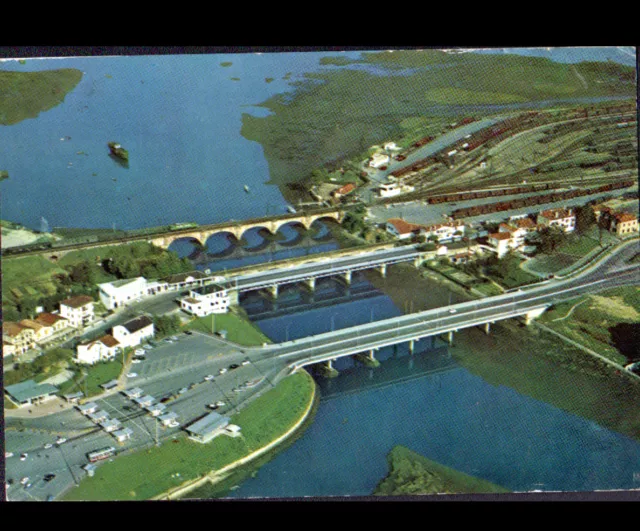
{"points": [[529, 360], [413, 474], [175, 468]]}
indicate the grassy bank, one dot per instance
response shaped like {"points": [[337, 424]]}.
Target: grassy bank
{"points": [[239, 329], [148, 473], [411, 473], [26, 94], [606, 322]]}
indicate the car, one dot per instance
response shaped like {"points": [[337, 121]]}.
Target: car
{"points": [[23, 456], [137, 361], [233, 366], [61, 440], [24, 480], [174, 424], [28, 485], [188, 332], [140, 352], [246, 362], [8, 454], [183, 391], [49, 477], [208, 377], [213, 406], [132, 375], [452, 310], [147, 347], [222, 371], [47, 446], [175, 338], [168, 340]]}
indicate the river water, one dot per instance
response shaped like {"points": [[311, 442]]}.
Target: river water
{"points": [[180, 118], [429, 404]]}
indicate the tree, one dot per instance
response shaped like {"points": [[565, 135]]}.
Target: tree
{"points": [[550, 238], [166, 325], [585, 218]]}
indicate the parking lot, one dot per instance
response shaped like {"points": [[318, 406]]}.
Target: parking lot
{"points": [[172, 372]]}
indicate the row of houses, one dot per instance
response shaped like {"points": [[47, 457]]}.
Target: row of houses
{"points": [[402, 230], [620, 223], [74, 313]]}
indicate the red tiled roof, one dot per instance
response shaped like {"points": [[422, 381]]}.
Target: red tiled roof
{"points": [[34, 325], [525, 223], [500, 236], [402, 226], [506, 227], [622, 217], [78, 301], [48, 319], [9, 328], [556, 213], [343, 190], [109, 341]]}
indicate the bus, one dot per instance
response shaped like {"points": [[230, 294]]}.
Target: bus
{"points": [[98, 455]]}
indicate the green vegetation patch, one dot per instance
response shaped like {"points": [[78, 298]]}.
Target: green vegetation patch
{"points": [[226, 64], [26, 94], [148, 473], [238, 327], [459, 96], [44, 366], [4, 174], [411, 473]]}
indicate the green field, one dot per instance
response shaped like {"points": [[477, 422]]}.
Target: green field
{"points": [[592, 319], [148, 473], [412, 474], [239, 329], [26, 94]]}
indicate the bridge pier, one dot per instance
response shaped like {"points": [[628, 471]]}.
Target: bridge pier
{"points": [[273, 290], [411, 343], [327, 369], [450, 337], [487, 328], [310, 283], [383, 270], [530, 316], [347, 277], [368, 359]]}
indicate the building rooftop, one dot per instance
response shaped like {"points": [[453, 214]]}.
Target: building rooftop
{"points": [[77, 302], [185, 277], [191, 300], [347, 188], [123, 433], [208, 424], [525, 223], [137, 324], [209, 288], [11, 329], [621, 217], [34, 325], [86, 407], [109, 341], [29, 389], [500, 236], [556, 213], [404, 227], [48, 319], [169, 415]]}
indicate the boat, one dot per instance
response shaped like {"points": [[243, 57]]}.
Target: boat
{"points": [[246, 188], [118, 151]]}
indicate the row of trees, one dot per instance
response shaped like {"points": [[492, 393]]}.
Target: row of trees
{"points": [[166, 325]]}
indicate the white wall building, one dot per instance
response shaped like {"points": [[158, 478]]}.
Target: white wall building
{"points": [[120, 292], [402, 229], [77, 310], [379, 159], [558, 217], [501, 241], [133, 332], [206, 300], [102, 349], [446, 231]]}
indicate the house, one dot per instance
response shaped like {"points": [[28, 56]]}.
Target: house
{"points": [[40, 331], [208, 427], [121, 292], [558, 217], [133, 332], [136, 392], [600, 212], [168, 418], [402, 229], [77, 310], [156, 409], [122, 435], [110, 425], [623, 223], [104, 348], [145, 401], [98, 416], [73, 398], [378, 160], [501, 241], [206, 300], [343, 190], [446, 231], [461, 258], [389, 189], [29, 393], [21, 338], [53, 321], [87, 409]]}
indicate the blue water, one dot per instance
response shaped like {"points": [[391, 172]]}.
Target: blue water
{"points": [[453, 417], [180, 119]]}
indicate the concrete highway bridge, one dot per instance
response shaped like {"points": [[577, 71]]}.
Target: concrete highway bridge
{"points": [[528, 302]]}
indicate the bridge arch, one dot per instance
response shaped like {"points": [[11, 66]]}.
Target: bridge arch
{"points": [[186, 246], [320, 227], [221, 242]]}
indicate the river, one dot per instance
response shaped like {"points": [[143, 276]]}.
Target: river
{"points": [[180, 118], [431, 405]]}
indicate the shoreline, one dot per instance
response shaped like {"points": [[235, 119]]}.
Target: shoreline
{"points": [[216, 476]]}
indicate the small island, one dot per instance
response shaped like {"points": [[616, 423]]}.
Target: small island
{"points": [[118, 151], [4, 174]]}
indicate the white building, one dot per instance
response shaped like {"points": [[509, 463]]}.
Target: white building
{"points": [[389, 189], [446, 231], [402, 229], [120, 292], [391, 146], [77, 310], [379, 159], [206, 300], [501, 241], [104, 348], [133, 332], [558, 217]]}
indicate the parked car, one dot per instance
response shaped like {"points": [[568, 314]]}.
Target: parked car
{"points": [[246, 362], [208, 377], [175, 338], [213, 406], [220, 403], [233, 366], [132, 375], [47, 446], [137, 361], [49, 477], [23, 456], [28, 485], [222, 371], [183, 391], [24, 480], [61, 440], [188, 332]]}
